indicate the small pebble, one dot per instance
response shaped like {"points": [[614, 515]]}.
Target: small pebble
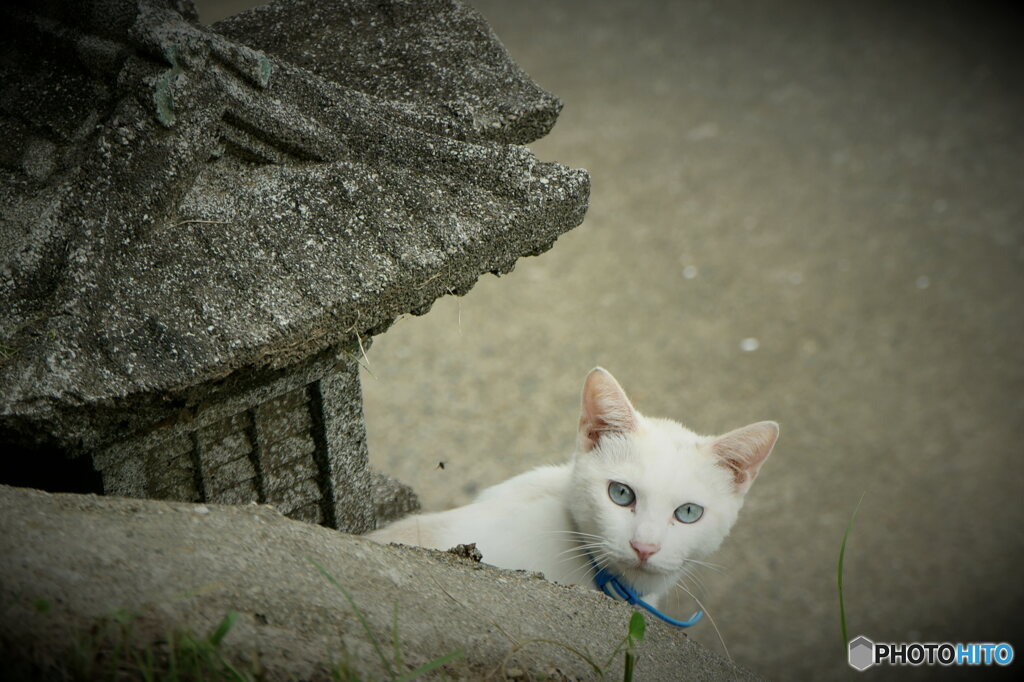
{"points": [[749, 344], [690, 272]]}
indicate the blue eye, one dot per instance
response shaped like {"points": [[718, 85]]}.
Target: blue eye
{"points": [[621, 494], [689, 512]]}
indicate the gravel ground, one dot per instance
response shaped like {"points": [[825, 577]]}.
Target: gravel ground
{"points": [[802, 211]]}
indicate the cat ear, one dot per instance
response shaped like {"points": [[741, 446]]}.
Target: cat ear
{"points": [[606, 409], [744, 450]]}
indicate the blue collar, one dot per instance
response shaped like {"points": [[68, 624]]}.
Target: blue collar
{"points": [[603, 579]]}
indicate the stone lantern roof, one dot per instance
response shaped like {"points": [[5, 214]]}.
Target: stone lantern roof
{"points": [[198, 220]]}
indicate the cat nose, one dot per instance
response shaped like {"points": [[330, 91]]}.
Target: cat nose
{"points": [[643, 549]]}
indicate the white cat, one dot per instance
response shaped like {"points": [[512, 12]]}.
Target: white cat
{"points": [[640, 499]]}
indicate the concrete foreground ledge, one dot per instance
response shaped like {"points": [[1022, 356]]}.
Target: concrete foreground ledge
{"points": [[186, 565]]}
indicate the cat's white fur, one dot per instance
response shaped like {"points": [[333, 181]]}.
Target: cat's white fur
{"points": [[560, 520]]}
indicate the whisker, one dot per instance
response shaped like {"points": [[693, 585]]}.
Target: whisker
{"points": [[706, 564], [597, 562], [581, 549], [591, 557], [592, 547], [593, 567], [569, 558], [574, 533], [710, 617], [695, 578], [699, 583]]}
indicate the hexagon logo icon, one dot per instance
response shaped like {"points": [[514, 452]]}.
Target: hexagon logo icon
{"points": [[862, 653]]}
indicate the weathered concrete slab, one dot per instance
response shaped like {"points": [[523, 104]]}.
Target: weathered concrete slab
{"points": [[186, 565]]}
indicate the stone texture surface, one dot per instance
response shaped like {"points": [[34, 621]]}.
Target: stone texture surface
{"points": [[178, 206], [294, 438], [182, 565], [412, 55]]}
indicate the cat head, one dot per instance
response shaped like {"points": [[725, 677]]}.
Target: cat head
{"points": [[656, 493]]}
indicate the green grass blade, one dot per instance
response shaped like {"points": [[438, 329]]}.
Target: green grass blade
{"points": [[839, 572], [115, 657], [145, 664], [637, 627], [230, 671], [582, 656], [172, 658], [627, 674], [430, 665], [625, 643], [223, 628], [359, 615]]}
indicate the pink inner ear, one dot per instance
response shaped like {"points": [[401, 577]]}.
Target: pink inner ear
{"points": [[744, 450], [592, 429], [739, 474], [606, 409]]}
